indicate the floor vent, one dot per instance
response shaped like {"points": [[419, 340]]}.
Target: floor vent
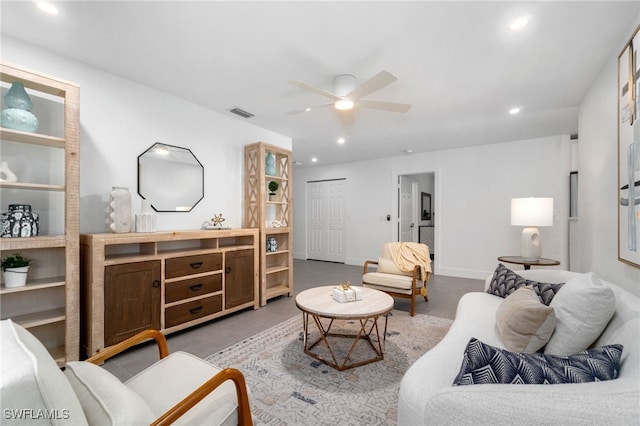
{"points": [[242, 113]]}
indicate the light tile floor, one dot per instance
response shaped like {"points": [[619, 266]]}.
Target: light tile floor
{"points": [[205, 339]]}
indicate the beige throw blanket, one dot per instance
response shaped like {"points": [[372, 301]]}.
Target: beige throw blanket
{"points": [[407, 255]]}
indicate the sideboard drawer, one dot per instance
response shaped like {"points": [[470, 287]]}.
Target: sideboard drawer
{"points": [[192, 287], [189, 265], [192, 310]]}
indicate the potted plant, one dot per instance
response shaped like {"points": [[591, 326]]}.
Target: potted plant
{"points": [[273, 187], [14, 270]]}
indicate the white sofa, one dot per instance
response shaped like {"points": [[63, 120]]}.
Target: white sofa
{"points": [[428, 397]]}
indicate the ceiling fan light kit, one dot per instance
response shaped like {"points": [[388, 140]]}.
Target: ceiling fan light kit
{"points": [[344, 84], [343, 105], [347, 95]]}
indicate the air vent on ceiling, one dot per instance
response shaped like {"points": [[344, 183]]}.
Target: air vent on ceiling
{"points": [[242, 113]]}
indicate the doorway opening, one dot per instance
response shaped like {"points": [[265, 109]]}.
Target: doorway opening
{"points": [[416, 213]]}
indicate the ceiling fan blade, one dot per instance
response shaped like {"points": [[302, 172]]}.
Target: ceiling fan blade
{"points": [[346, 117], [314, 89], [377, 82], [385, 106], [307, 109]]}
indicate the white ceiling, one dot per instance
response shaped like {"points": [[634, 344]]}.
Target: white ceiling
{"points": [[456, 63]]}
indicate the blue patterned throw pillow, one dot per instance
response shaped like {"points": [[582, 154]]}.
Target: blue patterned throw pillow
{"points": [[505, 281], [485, 364]]}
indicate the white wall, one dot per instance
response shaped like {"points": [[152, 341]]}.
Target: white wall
{"points": [[120, 119], [598, 178], [474, 187]]}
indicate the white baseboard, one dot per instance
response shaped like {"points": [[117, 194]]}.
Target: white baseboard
{"points": [[439, 270]]}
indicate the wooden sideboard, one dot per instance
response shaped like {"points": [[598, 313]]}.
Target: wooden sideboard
{"points": [[167, 281]]}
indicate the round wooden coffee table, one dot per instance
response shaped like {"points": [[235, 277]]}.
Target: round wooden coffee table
{"points": [[318, 303]]}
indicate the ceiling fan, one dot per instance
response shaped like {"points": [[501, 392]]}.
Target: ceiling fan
{"points": [[347, 95]]}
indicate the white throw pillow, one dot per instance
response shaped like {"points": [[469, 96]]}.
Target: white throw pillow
{"points": [[105, 399], [583, 308], [524, 324]]}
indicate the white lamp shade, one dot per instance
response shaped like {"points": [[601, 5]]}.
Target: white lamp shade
{"points": [[532, 211]]}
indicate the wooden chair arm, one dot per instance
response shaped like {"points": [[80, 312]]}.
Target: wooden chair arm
{"points": [[244, 410], [109, 352], [366, 265], [416, 277]]}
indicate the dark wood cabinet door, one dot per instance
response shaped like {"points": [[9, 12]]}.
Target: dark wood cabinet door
{"points": [[238, 285], [131, 300]]}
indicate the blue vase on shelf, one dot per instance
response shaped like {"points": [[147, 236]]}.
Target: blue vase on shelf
{"points": [[18, 116], [270, 164]]}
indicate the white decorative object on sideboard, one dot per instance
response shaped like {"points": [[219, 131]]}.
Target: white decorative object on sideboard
{"points": [[120, 210]]}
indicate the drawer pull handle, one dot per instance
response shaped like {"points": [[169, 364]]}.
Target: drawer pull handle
{"points": [[195, 310], [227, 269], [195, 265], [156, 284], [195, 287]]}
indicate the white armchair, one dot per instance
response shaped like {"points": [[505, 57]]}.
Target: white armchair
{"points": [[178, 388], [389, 278]]}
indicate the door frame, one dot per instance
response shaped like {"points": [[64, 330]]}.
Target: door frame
{"points": [[413, 213], [435, 200]]}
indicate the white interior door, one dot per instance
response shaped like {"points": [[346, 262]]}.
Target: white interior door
{"points": [[326, 223], [406, 222]]}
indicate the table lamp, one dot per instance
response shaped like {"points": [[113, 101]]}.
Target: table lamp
{"points": [[531, 212]]}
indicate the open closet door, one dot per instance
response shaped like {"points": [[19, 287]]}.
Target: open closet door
{"points": [[407, 230]]}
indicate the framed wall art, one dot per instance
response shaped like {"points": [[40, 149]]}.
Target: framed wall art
{"points": [[629, 153]]}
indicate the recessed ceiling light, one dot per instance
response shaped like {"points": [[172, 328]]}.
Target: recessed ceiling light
{"points": [[314, 160], [341, 141], [515, 110], [519, 23], [47, 7], [408, 151], [307, 109]]}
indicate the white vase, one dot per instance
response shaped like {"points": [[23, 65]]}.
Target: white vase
{"points": [[15, 277], [146, 220], [6, 175], [120, 210]]}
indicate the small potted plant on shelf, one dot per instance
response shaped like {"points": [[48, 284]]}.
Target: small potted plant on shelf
{"points": [[14, 270], [273, 187]]}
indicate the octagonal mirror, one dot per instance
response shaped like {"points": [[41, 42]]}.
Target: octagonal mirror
{"points": [[170, 178]]}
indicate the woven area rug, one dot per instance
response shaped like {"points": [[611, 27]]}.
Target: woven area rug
{"points": [[288, 387]]}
